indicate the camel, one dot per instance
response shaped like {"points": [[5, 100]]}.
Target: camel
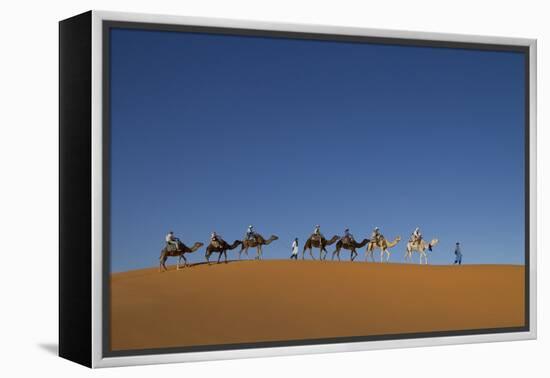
{"points": [[183, 249], [420, 248], [257, 243], [384, 245], [220, 248], [313, 242], [346, 244]]}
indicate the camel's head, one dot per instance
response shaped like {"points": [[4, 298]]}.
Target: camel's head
{"points": [[434, 242], [398, 239], [198, 244], [274, 237]]}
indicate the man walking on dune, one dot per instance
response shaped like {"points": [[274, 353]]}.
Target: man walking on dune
{"points": [[458, 254], [294, 254]]}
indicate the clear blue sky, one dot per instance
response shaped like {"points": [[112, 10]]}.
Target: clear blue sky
{"points": [[213, 132]]}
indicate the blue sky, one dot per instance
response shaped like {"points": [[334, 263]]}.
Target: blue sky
{"points": [[213, 132]]}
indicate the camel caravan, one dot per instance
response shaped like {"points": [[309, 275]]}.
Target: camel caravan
{"points": [[175, 248]]}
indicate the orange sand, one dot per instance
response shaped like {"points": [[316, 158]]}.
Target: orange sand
{"points": [[252, 301]]}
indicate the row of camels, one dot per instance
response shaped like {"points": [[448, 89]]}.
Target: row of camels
{"points": [[221, 247], [351, 245], [321, 243]]}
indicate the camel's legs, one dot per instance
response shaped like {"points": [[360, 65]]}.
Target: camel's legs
{"points": [[258, 252], [369, 252], [184, 259], [225, 255], [311, 253], [303, 253]]}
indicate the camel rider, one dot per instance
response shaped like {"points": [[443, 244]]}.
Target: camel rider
{"points": [[376, 235], [416, 236], [348, 235], [172, 240], [215, 237], [317, 232], [250, 233]]}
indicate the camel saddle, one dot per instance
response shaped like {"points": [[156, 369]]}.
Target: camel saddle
{"points": [[171, 247], [318, 238], [346, 240]]}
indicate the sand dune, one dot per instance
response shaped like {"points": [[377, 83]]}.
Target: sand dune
{"points": [[276, 300]]}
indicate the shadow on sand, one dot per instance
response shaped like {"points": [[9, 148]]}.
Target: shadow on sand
{"points": [[212, 262]]}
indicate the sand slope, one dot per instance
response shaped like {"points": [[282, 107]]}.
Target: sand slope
{"points": [[252, 301]]}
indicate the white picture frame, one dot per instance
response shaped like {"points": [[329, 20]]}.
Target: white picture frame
{"points": [[97, 356]]}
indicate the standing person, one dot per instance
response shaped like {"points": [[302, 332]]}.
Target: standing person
{"points": [[294, 254], [458, 254]]}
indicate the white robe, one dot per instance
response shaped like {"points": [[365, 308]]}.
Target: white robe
{"points": [[294, 247]]}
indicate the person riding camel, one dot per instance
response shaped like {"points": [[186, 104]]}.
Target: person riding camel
{"points": [[172, 240], [376, 236], [348, 235], [317, 233], [416, 236], [250, 233], [215, 239]]}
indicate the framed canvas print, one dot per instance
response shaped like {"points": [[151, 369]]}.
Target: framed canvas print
{"points": [[235, 189]]}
